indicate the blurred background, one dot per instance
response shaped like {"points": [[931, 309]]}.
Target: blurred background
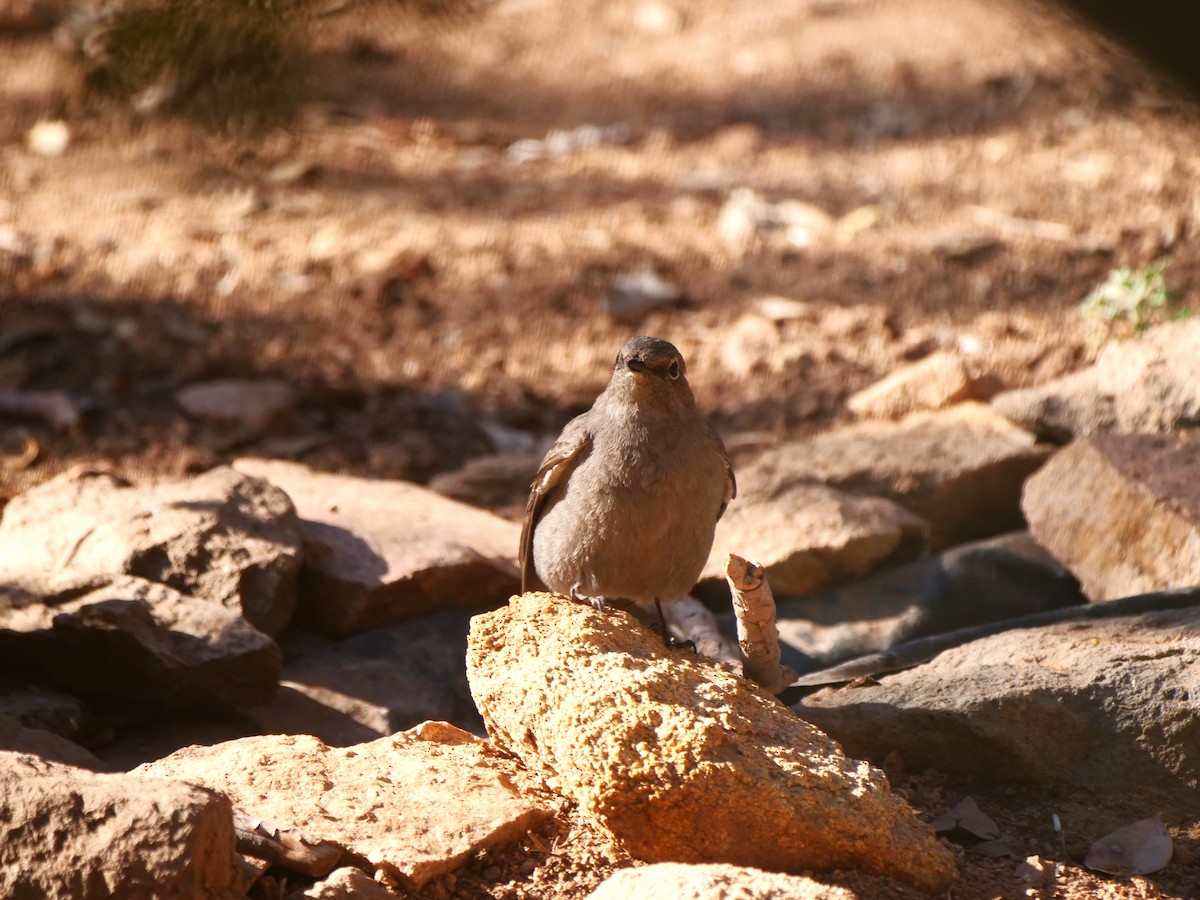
{"points": [[393, 238]]}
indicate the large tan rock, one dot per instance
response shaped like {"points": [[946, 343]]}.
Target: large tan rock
{"points": [[415, 805], [221, 536], [1109, 702], [960, 468], [1149, 384], [379, 551], [679, 759], [680, 881], [77, 835], [810, 536], [1122, 512]]}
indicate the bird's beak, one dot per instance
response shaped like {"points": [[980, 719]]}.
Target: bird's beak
{"points": [[635, 364]]}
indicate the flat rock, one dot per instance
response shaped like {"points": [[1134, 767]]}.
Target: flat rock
{"points": [[680, 881], [1106, 702], [939, 380], [18, 738], [221, 536], [131, 640], [1149, 384], [379, 551], [960, 468], [810, 536], [416, 804], [77, 835], [378, 683], [252, 403], [1122, 512], [984, 581], [650, 743]]}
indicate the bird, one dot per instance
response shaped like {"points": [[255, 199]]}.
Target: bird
{"points": [[626, 501]]}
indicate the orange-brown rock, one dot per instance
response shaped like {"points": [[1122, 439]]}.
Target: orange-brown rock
{"points": [[679, 759]]}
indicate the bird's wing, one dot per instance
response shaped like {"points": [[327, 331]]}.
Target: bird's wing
{"points": [[730, 481], [575, 440]]}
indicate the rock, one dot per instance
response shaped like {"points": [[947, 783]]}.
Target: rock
{"points": [[960, 468], [1122, 512], [378, 683], [935, 382], [253, 403], [377, 551], [221, 536], [348, 884], [77, 835], [48, 138], [657, 19], [746, 213], [987, 581], [1103, 702], [416, 804], [751, 346], [38, 706], [678, 881], [810, 536], [634, 294], [500, 481], [25, 17], [128, 639], [650, 743], [18, 738], [1149, 384]]}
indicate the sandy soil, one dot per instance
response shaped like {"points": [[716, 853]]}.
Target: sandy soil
{"points": [[944, 174]]}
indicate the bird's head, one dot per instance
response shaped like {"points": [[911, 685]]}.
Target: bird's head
{"points": [[651, 368]]}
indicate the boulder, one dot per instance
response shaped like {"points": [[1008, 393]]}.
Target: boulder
{"points": [[679, 881], [70, 834], [960, 468], [810, 536], [1148, 384], [221, 536], [680, 760], [379, 551], [415, 805], [1122, 512], [1104, 702], [130, 640]]}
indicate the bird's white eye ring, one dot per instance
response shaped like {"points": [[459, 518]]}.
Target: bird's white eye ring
{"points": [[673, 369]]}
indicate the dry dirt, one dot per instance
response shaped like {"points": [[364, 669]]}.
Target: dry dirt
{"points": [[432, 298]]}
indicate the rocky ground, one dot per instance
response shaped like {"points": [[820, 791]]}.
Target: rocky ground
{"points": [[869, 228]]}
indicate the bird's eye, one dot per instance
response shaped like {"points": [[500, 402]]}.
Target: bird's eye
{"points": [[673, 369]]}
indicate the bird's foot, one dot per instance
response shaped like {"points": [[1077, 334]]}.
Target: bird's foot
{"points": [[597, 603], [672, 642]]}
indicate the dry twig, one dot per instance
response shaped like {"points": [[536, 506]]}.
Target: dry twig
{"points": [[754, 607]]}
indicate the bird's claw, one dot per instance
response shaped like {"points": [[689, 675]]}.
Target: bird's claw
{"points": [[596, 603]]}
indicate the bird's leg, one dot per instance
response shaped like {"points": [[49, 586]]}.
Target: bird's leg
{"points": [[668, 639], [596, 603]]}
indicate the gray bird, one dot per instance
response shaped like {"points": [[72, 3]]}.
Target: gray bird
{"points": [[626, 501]]}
